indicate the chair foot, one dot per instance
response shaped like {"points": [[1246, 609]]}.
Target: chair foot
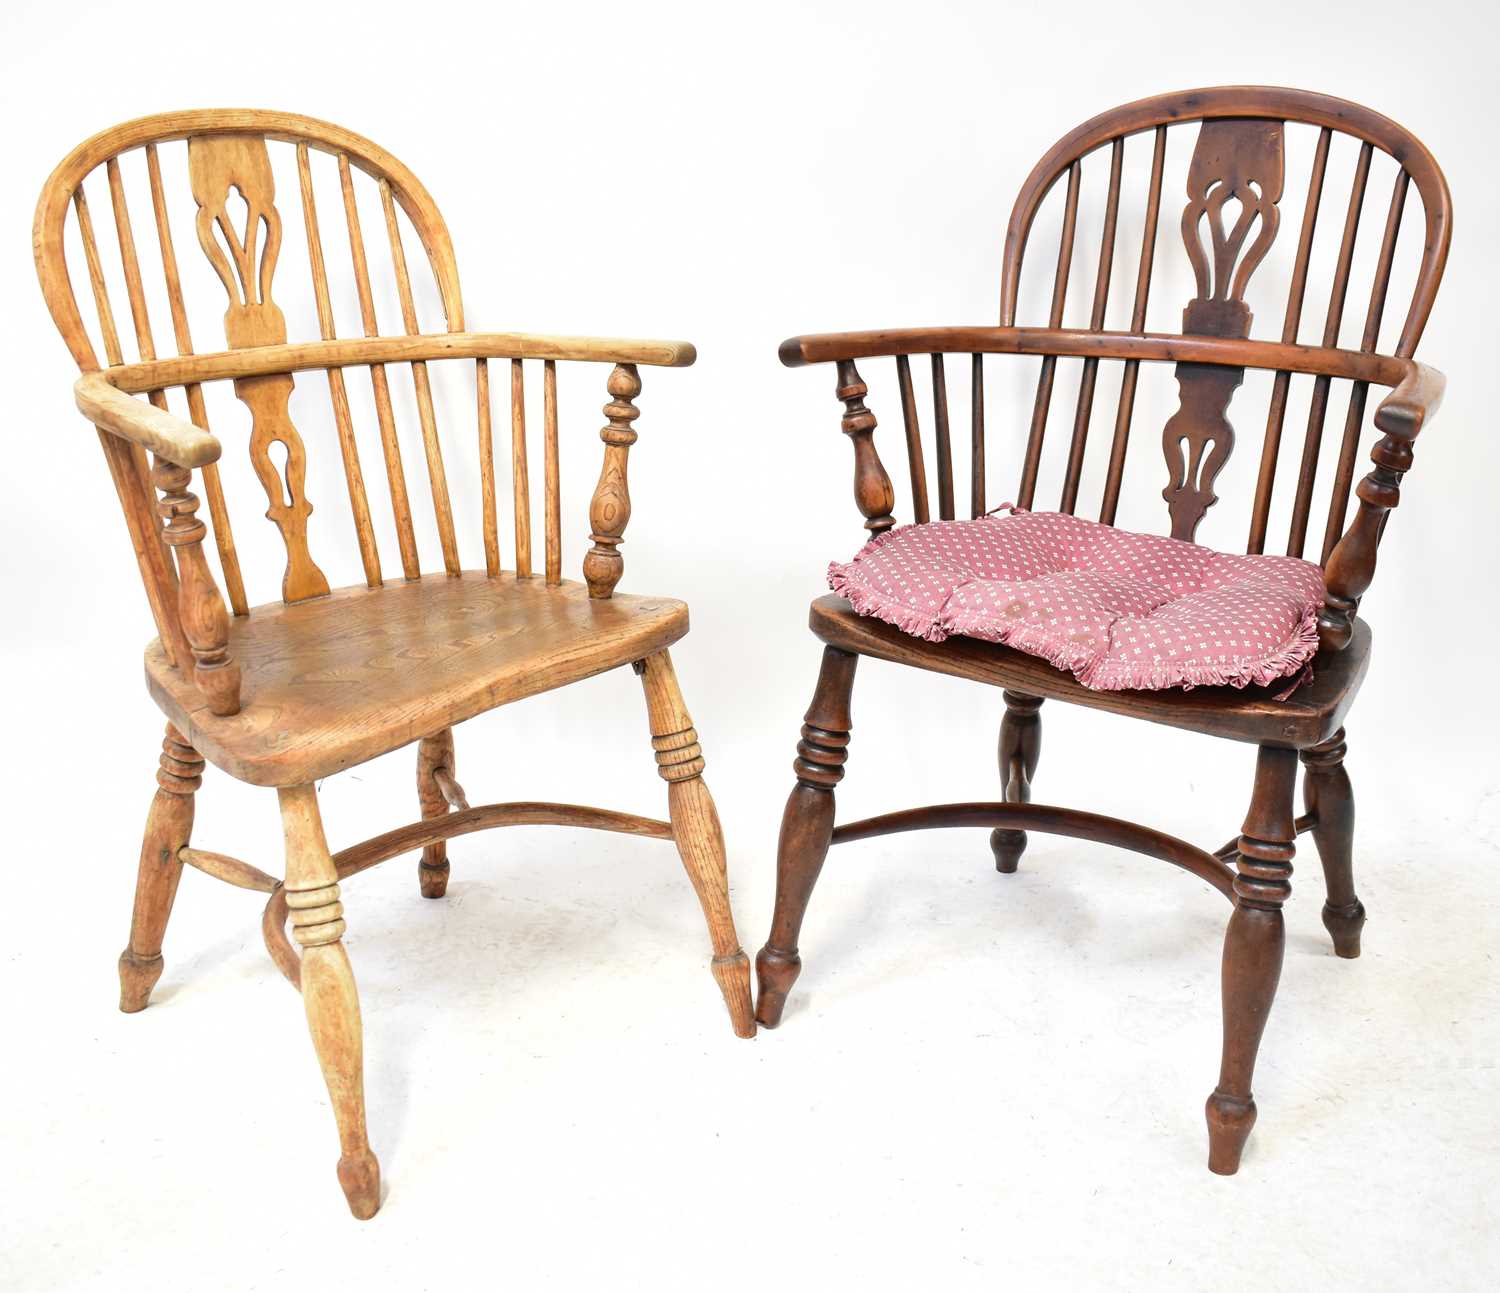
{"points": [[433, 879], [1344, 925], [1229, 1122], [1020, 748], [359, 1174], [775, 973], [138, 975], [1007, 847], [732, 974]]}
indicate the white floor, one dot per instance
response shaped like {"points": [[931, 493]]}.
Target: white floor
{"points": [[981, 1081]]}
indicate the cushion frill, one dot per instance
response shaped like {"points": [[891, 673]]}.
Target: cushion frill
{"points": [[1118, 610]]}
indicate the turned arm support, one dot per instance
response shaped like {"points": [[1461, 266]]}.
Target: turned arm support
{"points": [[177, 447], [609, 509], [1351, 568]]}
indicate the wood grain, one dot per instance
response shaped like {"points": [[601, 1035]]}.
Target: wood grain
{"points": [[329, 996], [337, 681], [169, 825], [322, 681], [696, 830]]}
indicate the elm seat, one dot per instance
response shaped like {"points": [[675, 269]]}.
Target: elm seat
{"points": [[1118, 610], [331, 682]]}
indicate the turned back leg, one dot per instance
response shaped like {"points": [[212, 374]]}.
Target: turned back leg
{"points": [[1020, 747], [169, 825], [437, 793], [696, 830], [328, 992], [806, 829], [1253, 947], [1329, 800]]}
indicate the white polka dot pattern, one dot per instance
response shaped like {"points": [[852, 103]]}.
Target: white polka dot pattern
{"points": [[1117, 610]]}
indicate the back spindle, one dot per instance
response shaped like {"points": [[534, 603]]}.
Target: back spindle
{"points": [[1318, 410], [944, 442], [1054, 320], [1126, 407], [437, 477], [487, 466], [553, 498], [1343, 481], [386, 419], [913, 443], [1276, 415], [1085, 408], [976, 436], [111, 336], [520, 483], [338, 394]]}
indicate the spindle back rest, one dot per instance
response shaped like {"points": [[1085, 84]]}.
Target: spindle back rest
{"points": [[1238, 158], [238, 228]]}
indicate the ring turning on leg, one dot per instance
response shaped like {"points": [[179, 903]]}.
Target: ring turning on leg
{"points": [[806, 829], [169, 825], [328, 991], [696, 830], [1253, 948]]}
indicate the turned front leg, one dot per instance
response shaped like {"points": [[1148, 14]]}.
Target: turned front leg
{"points": [[1329, 799], [806, 829], [696, 830], [1253, 949], [1020, 747], [328, 992], [169, 825]]}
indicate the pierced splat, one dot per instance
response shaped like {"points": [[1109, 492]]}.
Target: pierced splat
{"points": [[1236, 160], [221, 166]]}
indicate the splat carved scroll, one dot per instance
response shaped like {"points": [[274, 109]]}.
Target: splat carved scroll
{"points": [[220, 167], [1240, 161]]}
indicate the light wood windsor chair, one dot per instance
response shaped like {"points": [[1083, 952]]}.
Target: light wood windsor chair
{"points": [[289, 693], [1238, 158]]}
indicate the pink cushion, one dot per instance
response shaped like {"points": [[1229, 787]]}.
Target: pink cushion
{"points": [[1117, 610]]}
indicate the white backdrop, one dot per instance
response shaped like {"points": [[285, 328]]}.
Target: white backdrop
{"points": [[979, 1067]]}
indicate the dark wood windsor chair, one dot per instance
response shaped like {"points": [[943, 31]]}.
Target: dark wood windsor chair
{"points": [[1238, 159], [292, 692]]}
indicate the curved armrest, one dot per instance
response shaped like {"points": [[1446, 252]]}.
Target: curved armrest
{"points": [[1149, 346], [1416, 398], [168, 437], [262, 361]]}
